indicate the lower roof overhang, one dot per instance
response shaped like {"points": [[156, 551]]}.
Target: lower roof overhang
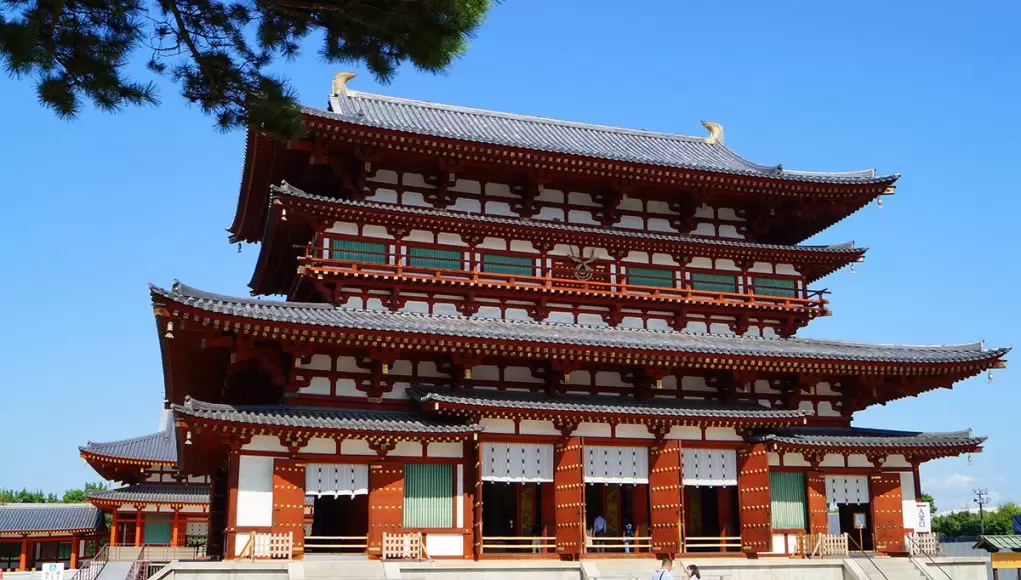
{"points": [[147, 493], [914, 445], [570, 410], [50, 520]]}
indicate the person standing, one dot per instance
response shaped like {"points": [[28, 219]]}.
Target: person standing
{"points": [[693, 572], [599, 530], [665, 570]]}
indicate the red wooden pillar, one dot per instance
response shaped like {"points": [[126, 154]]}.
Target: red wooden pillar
{"points": [[818, 522], [113, 528], [725, 512], [138, 526], [549, 511], [75, 542], [23, 557], [386, 503], [887, 513], [233, 472], [569, 493], [469, 480], [174, 527], [665, 501], [289, 501], [753, 499]]}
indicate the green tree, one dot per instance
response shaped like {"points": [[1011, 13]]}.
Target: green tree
{"points": [[932, 503], [218, 51], [80, 495], [69, 496]]}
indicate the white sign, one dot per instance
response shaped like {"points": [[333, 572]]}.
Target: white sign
{"points": [[53, 571], [923, 517]]}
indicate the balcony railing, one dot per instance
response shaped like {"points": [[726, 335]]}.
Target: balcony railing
{"points": [[396, 266]]}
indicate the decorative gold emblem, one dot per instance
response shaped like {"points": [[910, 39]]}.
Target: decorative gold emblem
{"points": [[582, 269]]}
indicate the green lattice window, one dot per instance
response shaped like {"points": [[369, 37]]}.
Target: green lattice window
{"points": [[428, 495], [510, 265], [787, 500], [714, 282], [784, 287], [10, 552], [650, 277], [358, 251], [433, 258], [64, 551]]}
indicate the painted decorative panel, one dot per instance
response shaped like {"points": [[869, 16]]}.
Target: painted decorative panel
{"points": [[709, 467], [336, 479], [606, 464], [517, 462]]}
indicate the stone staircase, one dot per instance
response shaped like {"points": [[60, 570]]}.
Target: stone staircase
{"points": [[884, 568]]}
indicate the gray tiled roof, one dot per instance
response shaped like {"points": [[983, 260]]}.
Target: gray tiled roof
{"points": [[319, 418], [49, 517], [673, 408], [286, 189], [548, 333], [160, 447], [861, 437], [154, 493], [564, 137]]}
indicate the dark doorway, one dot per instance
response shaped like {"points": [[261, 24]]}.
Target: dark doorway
{"points": [[710, 513], [846, 513], [337, 523], [514, 510], [625, 508]]}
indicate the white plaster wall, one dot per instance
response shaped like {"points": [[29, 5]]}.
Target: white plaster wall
{"points": [[497, 425], [445, 449], [722, 434], [538, 428], [444, 544], [406, 449], [907, 494], [858, 460], [255, 491], [355, 447], [593, 430], [633, 431], [264, 443], [320, 445]]}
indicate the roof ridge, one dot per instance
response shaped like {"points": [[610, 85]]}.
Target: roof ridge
{"points": [[158, 434]]}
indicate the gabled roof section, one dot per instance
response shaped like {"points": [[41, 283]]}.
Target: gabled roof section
{"points": [[523, 403], [319, 418], [861, 438], [998, 543], [50, 517], [154, 449], [563, 137], [153, 493], [334, 319]]}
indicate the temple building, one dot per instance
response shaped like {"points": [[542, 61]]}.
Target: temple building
{"points": [[35, 533], [512, 336]]}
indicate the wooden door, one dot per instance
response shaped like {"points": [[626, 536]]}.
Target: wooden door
{"points": [[569, 496], [887, 513], [289, 501], [753, 498], [818, 518], [665, 497], [386, 503]]}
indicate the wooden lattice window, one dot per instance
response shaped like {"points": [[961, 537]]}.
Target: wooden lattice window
{"points": [[650, 277], [787, 500], [435, 258], [358, 251], [783, 287], [510, 265], [428, 495], [10, 554], [713, 282]]}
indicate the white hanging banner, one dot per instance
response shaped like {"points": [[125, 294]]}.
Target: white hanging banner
{"points": [[517, 462], [336, 479], [709, 467], [843, 489], [606, 464]]}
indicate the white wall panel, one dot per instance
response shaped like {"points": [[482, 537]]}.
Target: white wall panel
{"points": [[255, 491], [336, 479], [709, 467], [847, 489], [517, 462]]}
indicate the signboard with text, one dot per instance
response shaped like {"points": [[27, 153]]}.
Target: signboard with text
{"points": [[923, 517], [53, 571]]}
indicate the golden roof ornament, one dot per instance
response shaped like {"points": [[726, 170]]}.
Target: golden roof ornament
{"points": [[340, 83], [715, 132]]}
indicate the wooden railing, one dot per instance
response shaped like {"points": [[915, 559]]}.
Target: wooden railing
{"points": [[267, 546], [827, 545], [924, 543], [712, 543], [623, 544], [336, 543], [395, 267], [403, 546], [521, 544]]}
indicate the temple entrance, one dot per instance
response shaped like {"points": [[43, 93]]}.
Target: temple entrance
{"points": [[710, 519], [848, 496], [512, 517], [711, 516], [625, 516], [340, 507], [339, 524], [517, 499], [617, 499]]}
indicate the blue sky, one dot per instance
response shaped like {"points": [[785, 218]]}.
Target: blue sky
{"points": [[96, 208]]}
